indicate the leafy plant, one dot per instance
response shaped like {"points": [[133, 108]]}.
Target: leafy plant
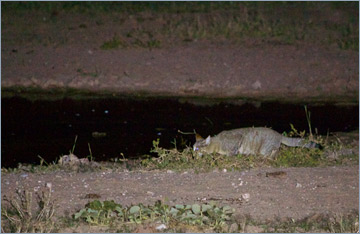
{"points": [[104, 213], [99, 213]]}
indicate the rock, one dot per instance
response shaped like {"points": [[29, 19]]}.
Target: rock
{"points": [[253, 229], [256, 85], [70, 160], [161, 227], [234, 228], [245, 197]]}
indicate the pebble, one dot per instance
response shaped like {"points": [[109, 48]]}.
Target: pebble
{"points": [[245, 197], [150, 193], [161, 227]]}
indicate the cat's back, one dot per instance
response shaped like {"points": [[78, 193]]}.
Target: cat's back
{"points": [[241, 132]]}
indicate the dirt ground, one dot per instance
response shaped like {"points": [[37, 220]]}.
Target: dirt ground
{"points": [[63, 50], [195, 70], [297, 193]]}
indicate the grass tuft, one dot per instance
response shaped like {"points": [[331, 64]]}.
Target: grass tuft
{"points": [[20, 215]]}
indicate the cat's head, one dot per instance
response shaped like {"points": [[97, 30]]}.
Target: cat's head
{"points": [[201, 144]]}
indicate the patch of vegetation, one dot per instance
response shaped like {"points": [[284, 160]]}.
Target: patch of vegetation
{"points": [[335, 223], [136, 38], [18, 214], [114, 43], [298, 157], [287, 157], [188, 159], [237, 22], [111, 213]]}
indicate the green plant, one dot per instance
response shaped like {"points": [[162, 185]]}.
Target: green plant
{"points": [[74, 145], [187, 159], [42, 161], [107, 212], [20, 215], [99, 213], [343, 223], [299, 157], [90, 156], [308, 113], [315, 223], [114, 43]]}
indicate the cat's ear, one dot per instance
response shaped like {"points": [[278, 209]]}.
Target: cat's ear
{"points": [[207, 141], [198, 137]]}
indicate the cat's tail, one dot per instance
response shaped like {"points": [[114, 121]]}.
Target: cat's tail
{"points": [[299, 142]]}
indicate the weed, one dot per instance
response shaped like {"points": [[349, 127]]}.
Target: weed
{"points": [[237, 22], [331, 153], [90, 156], [20, 216], [74, 145], [299, 157], [42, 161], [308, 115], [343, 223], [114, 43], [188, 159], [315, 223], [108, 212]]}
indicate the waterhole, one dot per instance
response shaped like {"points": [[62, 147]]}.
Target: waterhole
{"points": [[113, 128]]}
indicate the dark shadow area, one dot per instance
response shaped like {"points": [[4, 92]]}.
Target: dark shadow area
{"points": [[48, 128]]}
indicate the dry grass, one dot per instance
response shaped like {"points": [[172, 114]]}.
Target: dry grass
{"points": [[22, 216]]}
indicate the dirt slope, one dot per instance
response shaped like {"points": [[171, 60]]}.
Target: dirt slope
{"points": [[61, 49], [193, 70]]}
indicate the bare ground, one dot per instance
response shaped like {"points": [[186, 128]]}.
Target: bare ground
{"points": [[296, 194], [195, 70], [63, 50]]}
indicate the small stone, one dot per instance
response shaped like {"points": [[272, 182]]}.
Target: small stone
{"points": [[150, 193], [298, 185], [234, 228], [256, 85], [245, 197], [161, 227], [49, 185]]}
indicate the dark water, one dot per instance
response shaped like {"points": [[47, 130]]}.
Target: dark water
{"points": [[48, 128]]}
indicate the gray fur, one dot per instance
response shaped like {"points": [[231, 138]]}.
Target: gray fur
{"points": [[263, 141]]}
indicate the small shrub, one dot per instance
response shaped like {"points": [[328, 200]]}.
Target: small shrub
{"points": [[20, 215]]}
